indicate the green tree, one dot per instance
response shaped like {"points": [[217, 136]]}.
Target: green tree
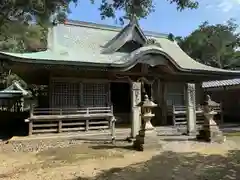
{"points": [[18, 34], [24, 23], [17, 37], [214, 45], [41, 10], [141, 8]]}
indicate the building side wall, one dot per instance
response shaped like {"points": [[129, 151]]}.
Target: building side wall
{"points": [[230, 100], [76, 92]]}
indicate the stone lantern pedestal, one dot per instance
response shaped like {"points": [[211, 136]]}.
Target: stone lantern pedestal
{"points": [[210, 131], [147, 136]]}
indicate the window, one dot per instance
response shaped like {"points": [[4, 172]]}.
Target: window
{"points": [[76, 94], [95, 94], [64, 95]]}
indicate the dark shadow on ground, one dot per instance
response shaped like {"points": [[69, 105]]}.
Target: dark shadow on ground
{"points": [[179, 139], [169, 135], [108, 146], [92, 139], [12, 124], [229, 125], [178, 166], [5, 137], [106, 143]]}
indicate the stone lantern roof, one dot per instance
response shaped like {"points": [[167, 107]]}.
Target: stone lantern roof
{"points": [[209, 102], [147, 103]]}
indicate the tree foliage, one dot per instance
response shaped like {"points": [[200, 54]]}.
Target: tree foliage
{"points": [[23, 23], [141, 8], [214, 45], [41, 10], [17, 37]]}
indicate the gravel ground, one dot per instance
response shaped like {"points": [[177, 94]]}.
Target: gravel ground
{"points": [[35, 145], [77, 160]]}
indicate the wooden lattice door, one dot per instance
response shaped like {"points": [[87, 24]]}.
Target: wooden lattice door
{"points": [[95, 94], [67, 94], [64, 94]]}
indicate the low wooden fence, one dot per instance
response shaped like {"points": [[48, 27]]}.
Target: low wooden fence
{"points": [[179, 115], [69, 119]]}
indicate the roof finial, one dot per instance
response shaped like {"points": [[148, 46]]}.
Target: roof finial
{"points": [[132, 5], [133, 19]]}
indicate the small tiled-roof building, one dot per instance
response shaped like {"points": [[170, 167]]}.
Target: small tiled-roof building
{"points": [[228, 93], [221, 84]]}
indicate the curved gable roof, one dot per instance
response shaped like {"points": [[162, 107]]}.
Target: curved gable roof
{"points": [[82, 44], [131, 32]]}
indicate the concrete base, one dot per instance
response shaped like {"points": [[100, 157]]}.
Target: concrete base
{"points": [[146, 139], [211, 133], [191, 133]]}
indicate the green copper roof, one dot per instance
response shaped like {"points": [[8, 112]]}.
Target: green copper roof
{"points": [[15, 90], [82, 43], [63, 57]]}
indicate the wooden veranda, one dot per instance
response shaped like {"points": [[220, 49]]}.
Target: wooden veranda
{"points": [[52, 120]]}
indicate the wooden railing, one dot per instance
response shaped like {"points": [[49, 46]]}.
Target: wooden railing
{"points": [[67, 111], [43, 120], [179, 114]]}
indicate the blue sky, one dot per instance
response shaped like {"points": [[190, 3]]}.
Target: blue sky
{"points": [[166, 18]]}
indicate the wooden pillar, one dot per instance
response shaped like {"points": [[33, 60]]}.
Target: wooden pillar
{"points": [[60, 126], [87, 125], [30, 128], [190, 102], [113, 133], [30, 123], [156, 93], [164, 102], [136, 110], [223, 101], [221, 113], [87, 121], [199, 93], [60, 123]]}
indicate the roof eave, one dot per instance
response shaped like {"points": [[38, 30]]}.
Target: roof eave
{"points": [[137, 59], [133, 59], [52, 62]]}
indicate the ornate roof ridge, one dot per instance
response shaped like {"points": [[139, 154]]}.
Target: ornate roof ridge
{"points": [[110, 27]]}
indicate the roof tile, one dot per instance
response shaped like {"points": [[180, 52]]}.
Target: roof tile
{"points": [[221, 83]]}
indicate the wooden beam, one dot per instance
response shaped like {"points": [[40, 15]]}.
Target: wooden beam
{"points": [[164, 102]]}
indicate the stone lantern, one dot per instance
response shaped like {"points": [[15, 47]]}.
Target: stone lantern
{"points": [[147, 136], [210, 131]]}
